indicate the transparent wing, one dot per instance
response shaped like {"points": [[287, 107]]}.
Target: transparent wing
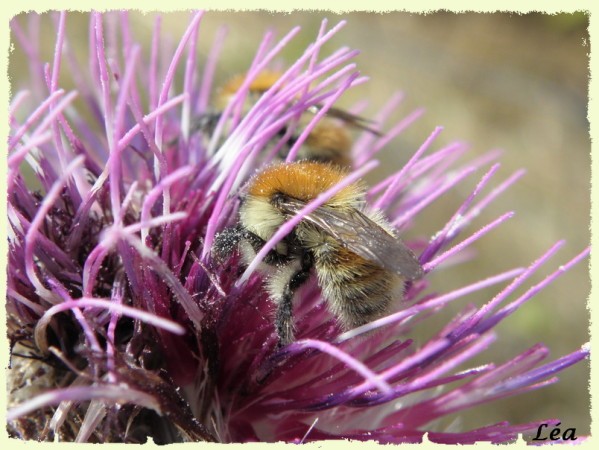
{"points": [[364, 237], [350, 119]]}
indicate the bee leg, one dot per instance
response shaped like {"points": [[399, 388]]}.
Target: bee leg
{"points": [[227, 241], [284, 317], [273, 257]]}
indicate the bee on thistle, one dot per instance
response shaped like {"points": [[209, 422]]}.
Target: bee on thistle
{"points": [[329, 141], [125, 323], [360, 263]]}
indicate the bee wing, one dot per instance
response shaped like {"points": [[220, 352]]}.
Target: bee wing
{"points": [[360, 234], [351, 119]]}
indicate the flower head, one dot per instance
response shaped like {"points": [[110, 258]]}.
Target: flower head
{"points": [[134, 325]]}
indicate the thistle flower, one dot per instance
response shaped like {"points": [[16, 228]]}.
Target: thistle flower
{"points": [[124, 326]]}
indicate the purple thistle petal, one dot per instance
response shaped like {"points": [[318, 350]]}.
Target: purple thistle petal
{"points": [[15, 159], [103, 78], [493, 303], [168, 80], [209, 68], [391, 191], [371, 378], [58, 51], [29, 44], [16, 103], [148, 118], [33, 231], [154, 222], [190, 65], [363, 144], [323, 110], [20, 298], [466, 242], [509, 379], [195, 315], [157, 190], [482, 204], [457, 220], [443, 157], [40, 334], [395, 131], [242, 91], [37, 114], [116, 296], [431, 196], [97, 303], [112, 393], [429, 304], [510, 308], [551, 368], [125, 89], [153, 69]]}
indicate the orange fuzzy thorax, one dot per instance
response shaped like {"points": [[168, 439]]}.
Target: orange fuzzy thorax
{"points": [[304, 181], [262, 82]]}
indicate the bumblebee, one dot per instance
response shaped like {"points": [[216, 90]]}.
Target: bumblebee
{"points": [[329, 141], [360, 263]]}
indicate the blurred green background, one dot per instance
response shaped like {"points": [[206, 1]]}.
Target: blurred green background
{"points": [[515, 82]]}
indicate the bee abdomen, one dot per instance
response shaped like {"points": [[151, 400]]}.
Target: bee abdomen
{"points": [[357, 290]]}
